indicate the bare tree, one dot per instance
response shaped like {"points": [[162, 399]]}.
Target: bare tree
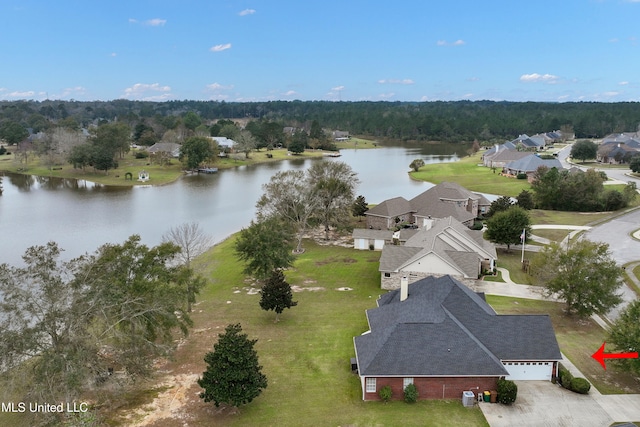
{"points": [[191, 239], [290, 197]]}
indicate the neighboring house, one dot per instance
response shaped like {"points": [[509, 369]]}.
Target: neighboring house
{"points": [[445, 339], [618, 148], [340, 135], [223, 142], [440, 201], [389, 213], [170, 149], [443, 247], [527, 143], [528, 165], [500, 155]]}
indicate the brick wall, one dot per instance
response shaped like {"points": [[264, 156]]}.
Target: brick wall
{"points": [[436, 388], [377, 222]]}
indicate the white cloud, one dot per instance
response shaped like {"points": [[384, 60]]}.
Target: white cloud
{"points": [[337, 88], [473, 79], [21, 94], [247, 12], [148, 92], [71, 92], [156, 22], [396, 81], [539, 78], [458, 42], [113, 54], [290, 93], [623, 83], [386, 95], [220, 47], [217, 87]]}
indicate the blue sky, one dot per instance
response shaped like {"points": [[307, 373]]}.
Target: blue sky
{"points": [[349, 50]]}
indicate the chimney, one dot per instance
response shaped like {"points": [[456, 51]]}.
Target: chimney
{"points": [[404, 288], [428, 223]]}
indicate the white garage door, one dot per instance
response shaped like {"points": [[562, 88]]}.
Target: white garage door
{"points": [[529, 370]]}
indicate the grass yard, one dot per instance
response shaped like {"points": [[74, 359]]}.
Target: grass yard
{"points": [[578, 340], [540, 216], [358, 143], [512, 262], [553, 235], [470, 175], [306, 355]]}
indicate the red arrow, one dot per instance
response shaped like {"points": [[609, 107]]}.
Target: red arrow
{"points": [[600, 355]]}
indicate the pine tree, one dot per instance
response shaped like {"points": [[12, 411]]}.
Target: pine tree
{"points": [[276, 294], [233, 375], [359, 207]]}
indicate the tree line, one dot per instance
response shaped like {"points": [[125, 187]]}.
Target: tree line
{"points": [[439, 120]]}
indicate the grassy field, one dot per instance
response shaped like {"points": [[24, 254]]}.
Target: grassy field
{"points": [[578, 340], [470, 175], [540, 216], [159, 175], [306, 355], [359, 143]]}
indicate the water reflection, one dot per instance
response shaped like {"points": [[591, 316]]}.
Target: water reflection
{"points": [[80, 215]]}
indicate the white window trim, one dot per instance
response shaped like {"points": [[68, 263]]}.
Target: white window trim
{"points": [[370, 385]]}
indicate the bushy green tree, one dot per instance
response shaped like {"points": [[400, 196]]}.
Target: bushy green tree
{"points": [[584, 150], [625, 335], [416, 164], [634, 164], [276, 294], [265, 246], [196, 150], [499, 205], [233, 376], [411, 393], [584, 276], [506, 227], [525, 200]]}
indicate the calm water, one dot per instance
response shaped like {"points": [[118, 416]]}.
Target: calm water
{"points": [[80, 216]]}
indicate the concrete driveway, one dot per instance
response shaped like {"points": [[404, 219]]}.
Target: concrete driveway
{"points": [[541, 403]]}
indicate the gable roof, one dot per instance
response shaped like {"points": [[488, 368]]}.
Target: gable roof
{"points": [[447, 239], [445, 329], [164, 147], [391, 208]]}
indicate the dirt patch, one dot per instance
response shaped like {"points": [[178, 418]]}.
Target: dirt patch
{"points": [[307, 288], [345, 260]]}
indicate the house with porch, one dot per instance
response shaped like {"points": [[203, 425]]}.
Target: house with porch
{"points": [[529, 165], [442, 200], [442, 247], [445, 339]]}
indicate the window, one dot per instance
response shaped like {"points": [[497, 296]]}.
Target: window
{"points": [[370, 385], [406, 382], [387, 274]]}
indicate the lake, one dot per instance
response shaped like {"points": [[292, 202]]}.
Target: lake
{"points": [[80, 215]]}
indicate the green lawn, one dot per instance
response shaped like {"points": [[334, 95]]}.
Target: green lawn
{"points": [[540, 216], [469, 173], [578, 340], [358, 143], [306, 355]]}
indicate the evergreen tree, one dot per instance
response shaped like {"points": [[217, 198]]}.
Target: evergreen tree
{"points": [[506, 227], [360, 206], [276, 294], [499, 205], [233, 375], [525, 200]]}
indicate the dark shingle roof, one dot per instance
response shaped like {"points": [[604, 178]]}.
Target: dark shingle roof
{"points": [[444, 328]]}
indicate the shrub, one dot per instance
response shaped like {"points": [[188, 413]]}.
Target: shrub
{"points": [[580, 385], [565, 377], [141, 154], [411, 393], [507, 391], [385, 393]]}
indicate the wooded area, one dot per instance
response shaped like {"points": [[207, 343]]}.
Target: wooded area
{"points": [[444, 121]]}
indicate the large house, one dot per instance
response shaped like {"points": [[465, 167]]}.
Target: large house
{"points": [[440, 201], [529, 165], [445, 339], [618, 148], [442, 247]]}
